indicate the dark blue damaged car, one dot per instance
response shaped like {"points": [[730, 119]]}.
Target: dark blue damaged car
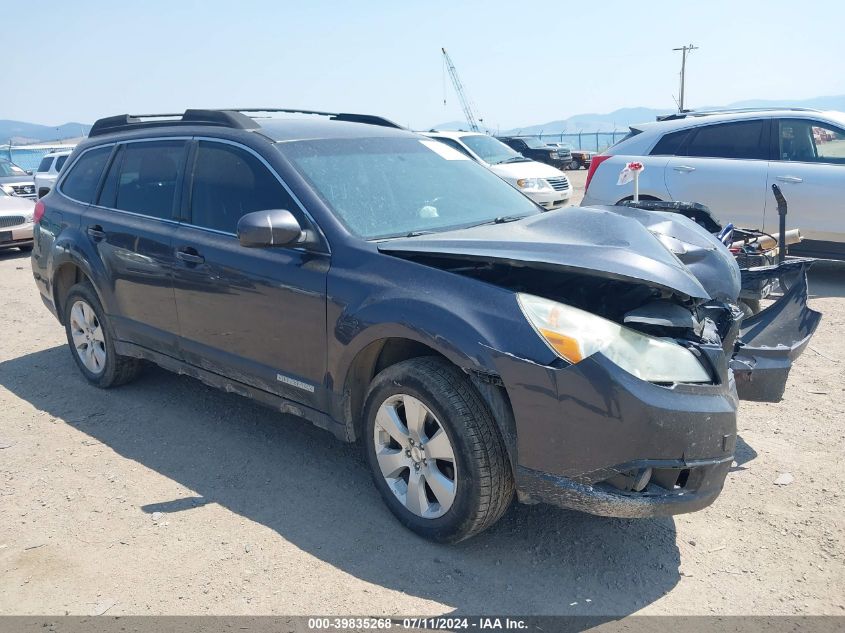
{"points": [[383, 286]]}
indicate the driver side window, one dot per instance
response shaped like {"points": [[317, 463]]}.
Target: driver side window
{"points": [[230, 182], [807, 141]]}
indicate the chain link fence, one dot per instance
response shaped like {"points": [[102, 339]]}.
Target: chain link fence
{"points": [[29, 156], [591, 141]]}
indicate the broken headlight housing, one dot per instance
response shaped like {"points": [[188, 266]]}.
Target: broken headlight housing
{"points": [[575, 334]]}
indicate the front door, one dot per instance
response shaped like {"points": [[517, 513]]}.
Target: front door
{"points": [[256, 315], [810, 171]]}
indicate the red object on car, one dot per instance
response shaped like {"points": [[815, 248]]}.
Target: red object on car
{"points": [[594, 165], [38, 213]]}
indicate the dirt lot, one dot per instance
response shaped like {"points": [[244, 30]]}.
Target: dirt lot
{"points": [[166, 497]]}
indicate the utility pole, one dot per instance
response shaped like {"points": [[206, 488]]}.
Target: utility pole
{"points": [[684, 50]]}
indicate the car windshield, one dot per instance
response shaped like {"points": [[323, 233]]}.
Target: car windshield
{"points": [[390, 187], [535, 143], [489, 149], [10, 169]]}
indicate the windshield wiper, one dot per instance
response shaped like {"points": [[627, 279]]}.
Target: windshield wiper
{"points": [[513, 159], [418, 233], [502, 219]]}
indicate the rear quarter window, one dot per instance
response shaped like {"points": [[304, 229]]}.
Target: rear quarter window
{"points": [[60, 162], [84, 177], [670, 144]]}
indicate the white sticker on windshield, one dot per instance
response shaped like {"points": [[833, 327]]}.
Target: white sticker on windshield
{"points": [[444, 151]]}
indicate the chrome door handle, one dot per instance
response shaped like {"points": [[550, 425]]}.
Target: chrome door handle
{"points": [[683, 168], [795, 179], [96, 232]]}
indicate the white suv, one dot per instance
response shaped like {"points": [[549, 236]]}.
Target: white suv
{"points": [[545, 185], [48, 171], [729, 161]]}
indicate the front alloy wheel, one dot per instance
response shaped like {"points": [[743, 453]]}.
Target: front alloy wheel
{"points": [[415, 456], [435, 452]]}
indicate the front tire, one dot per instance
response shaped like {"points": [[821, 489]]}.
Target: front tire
{"points": [[575, 165], [91, 340], [434, 450]]}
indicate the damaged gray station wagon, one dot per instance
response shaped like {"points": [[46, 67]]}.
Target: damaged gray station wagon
{"points": [[394, 292]]}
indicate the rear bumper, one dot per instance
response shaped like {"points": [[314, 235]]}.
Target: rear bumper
{"points": [[592, 437]]}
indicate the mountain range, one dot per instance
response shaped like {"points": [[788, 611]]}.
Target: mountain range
{"points": [[18, 132], [623, 118]]}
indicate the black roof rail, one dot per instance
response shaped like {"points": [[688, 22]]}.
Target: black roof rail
{"points": [[369, 119], [229, 117], [697, 113], [125, 122]]}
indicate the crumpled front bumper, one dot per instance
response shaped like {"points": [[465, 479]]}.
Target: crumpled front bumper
{"points": [[771, 340], [592, 437]]}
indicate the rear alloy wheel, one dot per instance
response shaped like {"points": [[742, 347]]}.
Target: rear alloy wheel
{"points": [[575, 165], [435, 452], [91, 341]]}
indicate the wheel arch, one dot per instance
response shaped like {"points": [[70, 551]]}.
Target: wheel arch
{"points": [[384, 352]]}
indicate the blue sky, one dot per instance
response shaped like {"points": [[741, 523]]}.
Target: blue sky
{"points": [[522, 62]]}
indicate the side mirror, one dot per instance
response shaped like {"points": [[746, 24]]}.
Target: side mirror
{"points": [[275, 227]]}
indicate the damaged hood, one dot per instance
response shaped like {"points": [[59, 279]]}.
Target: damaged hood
{"points": [[589, 241]]}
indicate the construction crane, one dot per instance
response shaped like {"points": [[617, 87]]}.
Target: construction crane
{"points": [[472, 119]]}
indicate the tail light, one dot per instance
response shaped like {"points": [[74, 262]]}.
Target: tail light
{"points": [[38, 213], [594, 165]]}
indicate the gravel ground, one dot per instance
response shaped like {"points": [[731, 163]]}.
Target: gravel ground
{"points": [[167, 497]]}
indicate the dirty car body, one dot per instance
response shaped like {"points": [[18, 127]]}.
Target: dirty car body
{"points": [[397, 261]]}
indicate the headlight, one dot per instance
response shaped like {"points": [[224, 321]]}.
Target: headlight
{"points": [[575, 334], [534, 184]]}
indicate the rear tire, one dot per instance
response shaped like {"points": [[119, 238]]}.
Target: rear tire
{"points": [[91, 340], [575, 165], [469, 489]]}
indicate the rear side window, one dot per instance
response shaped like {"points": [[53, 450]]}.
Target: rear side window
{"points": [[670, 144], [45, 164], [745, 139], [230, 182], [60, 162], [81, 183], [144, 178]]}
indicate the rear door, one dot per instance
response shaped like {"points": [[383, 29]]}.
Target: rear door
{"points": [[809, 168], [724, 166], [131, 226], [256, 315]]}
